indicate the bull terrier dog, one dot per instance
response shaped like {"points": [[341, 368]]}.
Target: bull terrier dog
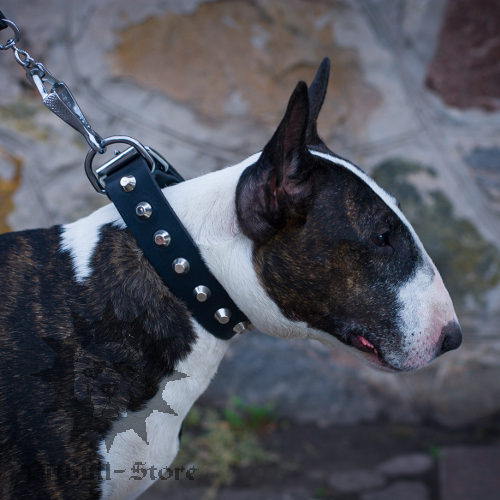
{"points": [[100, 362]]}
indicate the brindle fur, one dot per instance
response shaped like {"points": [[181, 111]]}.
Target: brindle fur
{"points": [[76, 356]]}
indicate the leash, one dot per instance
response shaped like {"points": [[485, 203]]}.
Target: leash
{"points": [[132, 180]]}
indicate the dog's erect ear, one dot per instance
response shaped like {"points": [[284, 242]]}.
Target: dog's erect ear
{"points": [[277, 189], [317, 92]]}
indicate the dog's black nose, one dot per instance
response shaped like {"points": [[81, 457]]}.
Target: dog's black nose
{"points": [[452, 337]]}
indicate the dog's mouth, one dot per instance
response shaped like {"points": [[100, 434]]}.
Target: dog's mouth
{"points": [[365, 346]]}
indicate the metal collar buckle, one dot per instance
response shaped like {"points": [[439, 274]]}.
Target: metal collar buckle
{"points": [[97, 178]]}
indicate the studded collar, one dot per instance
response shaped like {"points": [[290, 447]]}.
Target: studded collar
{"points": [[134, 187]]}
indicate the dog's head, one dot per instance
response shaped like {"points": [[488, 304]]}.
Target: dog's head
{"points": [[334, 251]]}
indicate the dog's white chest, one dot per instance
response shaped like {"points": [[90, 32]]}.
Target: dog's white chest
{"points": [[143, 444]]}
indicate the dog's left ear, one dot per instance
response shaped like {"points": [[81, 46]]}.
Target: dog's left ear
{"points": [[276, 190]]}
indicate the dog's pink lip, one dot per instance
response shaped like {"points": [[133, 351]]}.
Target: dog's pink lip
{"points": [[362, 344], [365, 346]]}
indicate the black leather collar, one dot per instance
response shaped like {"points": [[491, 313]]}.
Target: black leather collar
{"points": [[136, 193]]}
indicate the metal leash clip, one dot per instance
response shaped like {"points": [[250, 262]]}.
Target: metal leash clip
{"points": [[58, 98], [61, 102]]}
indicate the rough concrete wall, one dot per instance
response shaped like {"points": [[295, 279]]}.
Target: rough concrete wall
{"points": [[206, 82]]}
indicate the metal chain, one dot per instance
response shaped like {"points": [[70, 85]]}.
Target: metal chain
{"points": [[27, 62]]}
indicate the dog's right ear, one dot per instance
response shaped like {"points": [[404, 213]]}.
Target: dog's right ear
{"points": [[276, 190], [317, 92]]}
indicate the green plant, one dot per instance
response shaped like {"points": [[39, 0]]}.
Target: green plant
{"points": [[320, 492], [435, 452], [240, 415], [216, 443]]}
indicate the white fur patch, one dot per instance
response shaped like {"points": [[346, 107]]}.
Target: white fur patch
{"points": [[206, 205], [150, 436], [427, 310], [81, 237]]}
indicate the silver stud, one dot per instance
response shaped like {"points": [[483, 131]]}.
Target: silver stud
{"points": [[202, 293], [143, 210], [162, 238], [128, 183], [117, 152], [241, 327], [223, 315], [181, 266]]}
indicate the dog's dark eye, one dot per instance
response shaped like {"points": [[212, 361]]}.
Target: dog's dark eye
{"points": [[381, 239]]}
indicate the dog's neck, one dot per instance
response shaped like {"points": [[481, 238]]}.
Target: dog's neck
{"points": [[206, 204]]}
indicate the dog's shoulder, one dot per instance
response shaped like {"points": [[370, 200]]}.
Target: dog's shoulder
{"points": [[78, 354]]}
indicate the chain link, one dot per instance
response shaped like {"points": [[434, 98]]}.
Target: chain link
{"points": [[11, 41], [27, 61]]}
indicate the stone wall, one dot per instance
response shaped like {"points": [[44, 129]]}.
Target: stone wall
{"points": [[413, 100]]}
